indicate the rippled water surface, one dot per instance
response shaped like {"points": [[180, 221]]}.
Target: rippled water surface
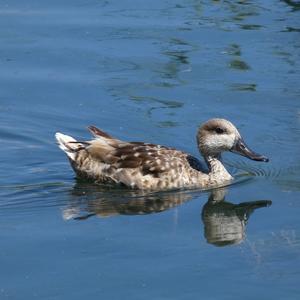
{"points": [[149, 71]]}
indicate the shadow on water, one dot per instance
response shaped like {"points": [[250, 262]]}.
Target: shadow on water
{"points": [[177, 52], [224, 222], [154, 106], [295, 5], [167, 75]]}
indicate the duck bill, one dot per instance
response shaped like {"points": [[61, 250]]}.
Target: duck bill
{"points": [[241, 148]]}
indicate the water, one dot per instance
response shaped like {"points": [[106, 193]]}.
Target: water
{"points": [[149, 71]]}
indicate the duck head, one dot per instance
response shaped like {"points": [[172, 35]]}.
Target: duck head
{"points": [[218, 135]]}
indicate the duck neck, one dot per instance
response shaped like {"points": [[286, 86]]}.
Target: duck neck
{"points": [[217, 171]]}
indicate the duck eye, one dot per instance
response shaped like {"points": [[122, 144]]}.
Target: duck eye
{"points": [[219, 130]]}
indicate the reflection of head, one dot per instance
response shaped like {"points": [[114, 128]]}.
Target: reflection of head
{"points": [[222, 226], [224, 222]]}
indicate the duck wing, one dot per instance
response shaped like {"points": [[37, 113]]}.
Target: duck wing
{"points": [[148, 158]]}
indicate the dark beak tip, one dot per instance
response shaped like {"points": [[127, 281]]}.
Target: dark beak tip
{"points": [[260, 158], [265, 159]]}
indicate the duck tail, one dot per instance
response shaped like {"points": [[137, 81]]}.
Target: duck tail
{"points": [[68, 144]]}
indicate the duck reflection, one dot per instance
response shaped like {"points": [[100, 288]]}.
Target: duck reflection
{"points": [[295, 5], [123, 202], [224, 222]]}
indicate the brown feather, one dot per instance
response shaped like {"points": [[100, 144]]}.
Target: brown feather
{"points": [[129, 163], [101, 152], [98, 132], [152, 159]]}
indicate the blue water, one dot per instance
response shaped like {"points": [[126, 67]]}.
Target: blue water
{"points": [[149, 71]]}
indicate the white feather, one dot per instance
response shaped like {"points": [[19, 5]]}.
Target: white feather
{"points": [[65, 145]]}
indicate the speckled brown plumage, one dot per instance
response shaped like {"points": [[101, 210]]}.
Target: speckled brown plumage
{"points": [[149, 166], [138, 165]]}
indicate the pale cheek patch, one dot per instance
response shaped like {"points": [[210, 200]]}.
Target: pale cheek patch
{"points": [[228, 141], [213, 144], [216, 143]]}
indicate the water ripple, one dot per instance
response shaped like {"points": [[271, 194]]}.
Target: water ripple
{"points": [[254, 170]]}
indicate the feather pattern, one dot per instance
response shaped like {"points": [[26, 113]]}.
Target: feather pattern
{"points": [[148, 166]]}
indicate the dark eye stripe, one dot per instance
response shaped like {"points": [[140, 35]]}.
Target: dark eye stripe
{"points": [[219, 130]]}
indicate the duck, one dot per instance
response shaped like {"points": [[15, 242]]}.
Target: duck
{"points": [[145, 166]]}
